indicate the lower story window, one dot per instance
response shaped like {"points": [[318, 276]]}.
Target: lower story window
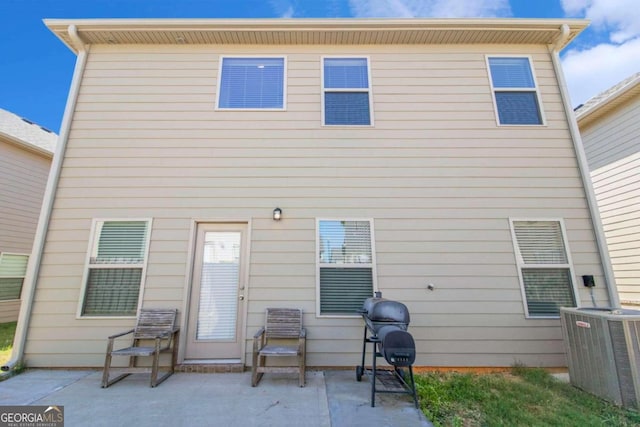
{"points": [[13, 268], [345, 263], [544, 266], [115, 270]]}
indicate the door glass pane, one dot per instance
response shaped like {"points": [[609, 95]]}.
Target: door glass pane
{"points": [[218, 308]]}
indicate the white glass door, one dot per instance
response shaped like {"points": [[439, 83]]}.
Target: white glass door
{"points": [[217, 293]]}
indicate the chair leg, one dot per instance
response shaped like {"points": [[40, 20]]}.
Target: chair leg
{"points": [[302, 367], [154, 370], [255, 375], [105, 371]]}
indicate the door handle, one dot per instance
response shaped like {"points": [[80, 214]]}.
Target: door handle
{"points": [[241, 297]]}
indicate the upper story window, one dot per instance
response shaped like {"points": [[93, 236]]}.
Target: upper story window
{"points": [[514, 91], [252, 83], [346, 91]]}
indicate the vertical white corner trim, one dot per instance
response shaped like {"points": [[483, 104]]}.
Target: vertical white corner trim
{"points": [[583, 165], [33, 268]]}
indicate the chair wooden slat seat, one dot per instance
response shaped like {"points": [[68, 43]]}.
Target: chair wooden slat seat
{"points": [[281, 324], [157, 325]]}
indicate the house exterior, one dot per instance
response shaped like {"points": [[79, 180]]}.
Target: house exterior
{"points": [[225, 166], [26, 150], [610, 128]]}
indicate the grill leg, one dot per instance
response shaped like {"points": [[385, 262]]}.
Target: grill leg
{"points": [[364, 345], [413, 386], [373, 376], [360, 368]]}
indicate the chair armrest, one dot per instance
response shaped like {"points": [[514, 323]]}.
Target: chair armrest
{"points": [[259, 333], [168, 334], [121, 334]]}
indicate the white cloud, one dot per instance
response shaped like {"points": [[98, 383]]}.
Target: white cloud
{"points": [[621, 17], [288, 13], [596, 69], [429, 8], [282, 8]]}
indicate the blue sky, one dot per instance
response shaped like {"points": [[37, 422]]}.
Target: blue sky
{"points": [[36, 68]]}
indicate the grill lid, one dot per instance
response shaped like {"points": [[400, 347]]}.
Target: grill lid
{"points": [[378, 309]]}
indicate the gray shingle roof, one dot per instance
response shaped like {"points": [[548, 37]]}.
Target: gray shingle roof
{"points": [[27, 132], [601, 99]]}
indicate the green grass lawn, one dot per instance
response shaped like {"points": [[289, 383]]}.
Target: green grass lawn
{"points": [[526, 397], [7, 330]]}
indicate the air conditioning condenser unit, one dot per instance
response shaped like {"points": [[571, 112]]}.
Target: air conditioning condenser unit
{"points": [[603, 353]]}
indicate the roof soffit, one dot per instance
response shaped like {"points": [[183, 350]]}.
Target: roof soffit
{"points": [[316, 31]]}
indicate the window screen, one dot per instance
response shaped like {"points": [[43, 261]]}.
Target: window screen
{"points": [[13, 268], [347, 97], [515, 94], [252, 83], [345, 266], [544, 267], [115, 268]]}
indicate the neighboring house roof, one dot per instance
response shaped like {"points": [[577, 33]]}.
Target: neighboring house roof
{"points": [[608, 100], [26, 133], [315, 31]]}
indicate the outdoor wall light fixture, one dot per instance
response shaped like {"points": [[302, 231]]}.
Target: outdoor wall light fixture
{"points": [[277, 214]]}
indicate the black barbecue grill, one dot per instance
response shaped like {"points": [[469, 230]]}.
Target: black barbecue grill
{"points": [[386, 324]]}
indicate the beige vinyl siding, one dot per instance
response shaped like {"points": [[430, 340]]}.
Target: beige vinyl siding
{"points": [[23, 177], [612, 145], [435, 173]]}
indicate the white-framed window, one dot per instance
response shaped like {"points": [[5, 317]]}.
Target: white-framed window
{"points": [[13, 268], [345, 264], [115, 268], [544, 266], [252, 83], [515, 94], [346, 91]]}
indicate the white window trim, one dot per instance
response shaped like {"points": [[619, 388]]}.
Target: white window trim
{"points": [[284, 83], [536, 90], [373, 265], [520, 263], [93, 240], [15, 277], [369, 89]]}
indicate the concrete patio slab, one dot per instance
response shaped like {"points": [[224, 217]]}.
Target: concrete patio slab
{"points": [[331, 398]]}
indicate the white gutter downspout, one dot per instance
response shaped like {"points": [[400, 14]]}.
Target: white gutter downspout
{"points": [[583, 165], [33, 268]]}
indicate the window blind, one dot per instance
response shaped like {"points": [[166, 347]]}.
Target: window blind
{"points": [[218, 305], [13, 265], [13, 268], [545, 269], [346, 91], [511, 72], [518, 108], [343, 290], [121, 242], [346, 73], [252, 83], [346, 108], [115, 269], [112, 292], [540, 242], [515, 92], [547, 290], [345, 262]]}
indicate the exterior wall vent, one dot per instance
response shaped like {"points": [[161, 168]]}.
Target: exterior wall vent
{"points": [[603, 353]]}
